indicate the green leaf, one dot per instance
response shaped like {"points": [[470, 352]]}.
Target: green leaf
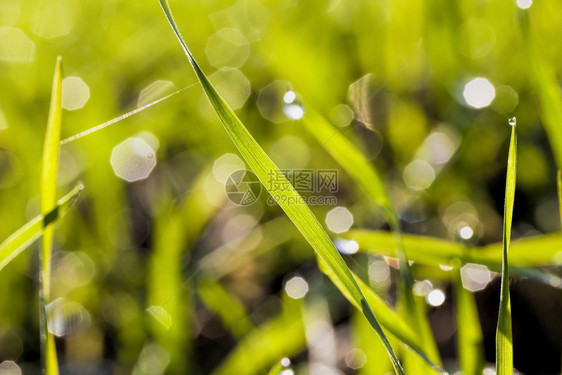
{"points": [[49, 167], [286, 196], [504, 344], [469, 333], [30, 232]]}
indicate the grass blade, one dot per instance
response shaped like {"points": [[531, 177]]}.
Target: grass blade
{"points": [[354, 163], [289, 200], [396, 324], [525, 252], [48, 201], [33, 229], [469, 333], [367, 177], [504, 344]]}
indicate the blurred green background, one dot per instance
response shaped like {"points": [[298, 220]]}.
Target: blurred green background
{"points": [[165, 274]]}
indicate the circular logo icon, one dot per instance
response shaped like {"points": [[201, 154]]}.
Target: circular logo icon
{"points": [[243, 187]]}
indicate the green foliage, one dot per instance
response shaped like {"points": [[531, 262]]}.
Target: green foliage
{"points": [[504, 338], [49, 168]]}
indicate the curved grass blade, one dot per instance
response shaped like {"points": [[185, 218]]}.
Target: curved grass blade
{"points": [[504, 340], [367, 177], [284, 193], [33, 229], [48, 202], [469, 331]]}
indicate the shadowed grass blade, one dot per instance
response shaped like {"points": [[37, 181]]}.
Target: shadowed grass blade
{"points": [[367, 177], [26, 235], [504, 344], [469, 332], [286, 196], [48, 201]]}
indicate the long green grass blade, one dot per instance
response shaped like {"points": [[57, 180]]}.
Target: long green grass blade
{"points": [[504, 344], [48, 201], [366, 176], [524, 252], [33, 229], [287, 197], [469, 332]]}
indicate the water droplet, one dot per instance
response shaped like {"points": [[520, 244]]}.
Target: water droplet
{"points": [[289, 97], [291, 106], [270, 101], [293, 111], [512, 121], [285, 362]]}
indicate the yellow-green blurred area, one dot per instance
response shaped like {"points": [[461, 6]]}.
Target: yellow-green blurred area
{"points": [[157, 271]]}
